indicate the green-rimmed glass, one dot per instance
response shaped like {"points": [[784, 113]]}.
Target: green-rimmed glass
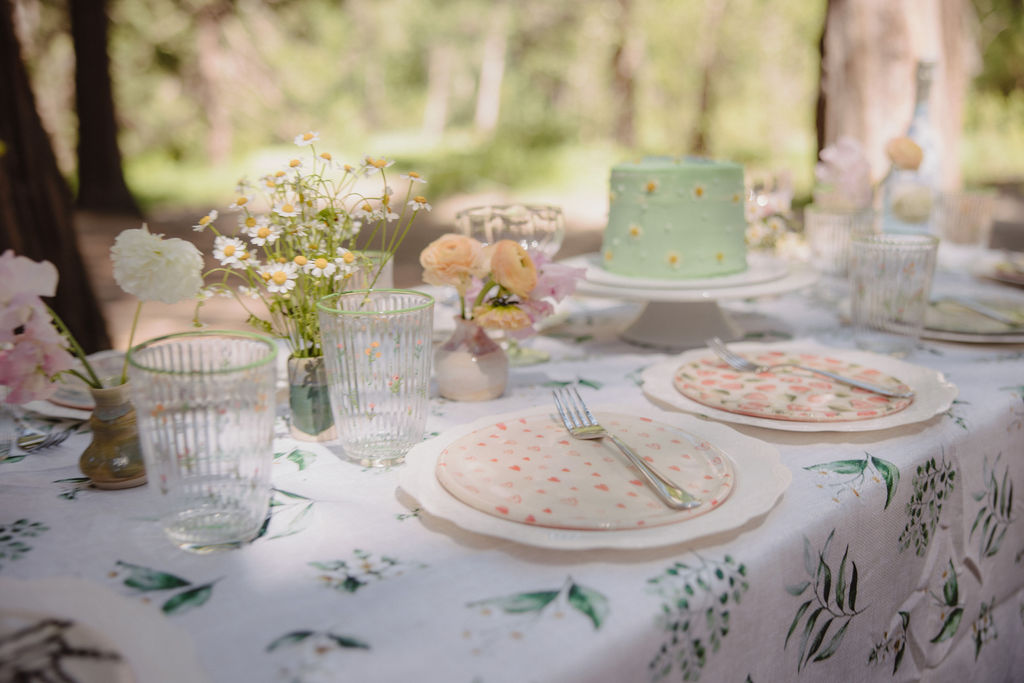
{"points": [[377, 348], [205, 406]]}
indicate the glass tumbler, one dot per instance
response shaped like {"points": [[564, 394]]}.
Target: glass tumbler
{"points": [[536, 227], [828, 235], [890, 280], [205, 406], [377, 348], [964, 222]]}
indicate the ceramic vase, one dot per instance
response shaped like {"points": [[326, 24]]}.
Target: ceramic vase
{"points": [[113, 460], [470, 366], [309, 400]]}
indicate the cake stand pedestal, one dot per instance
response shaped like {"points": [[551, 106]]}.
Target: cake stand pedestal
{"points": [[680, 316]]}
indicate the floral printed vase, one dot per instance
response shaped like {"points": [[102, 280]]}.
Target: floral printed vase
{"points": [[309, 400], [113, 460], [470, 366]]}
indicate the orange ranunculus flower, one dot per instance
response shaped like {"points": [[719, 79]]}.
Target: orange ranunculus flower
{"points": [[453, 260], [512, 268], [509, 317], [904, 153]]}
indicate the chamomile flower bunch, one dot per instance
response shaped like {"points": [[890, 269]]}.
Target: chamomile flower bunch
{"points": [[292, 238]]}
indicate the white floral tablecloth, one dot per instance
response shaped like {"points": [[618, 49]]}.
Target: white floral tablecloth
{"points": [[894, 555]]}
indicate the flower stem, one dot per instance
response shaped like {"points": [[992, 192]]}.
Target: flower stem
{"points": [[131, 338], [93, 380]]}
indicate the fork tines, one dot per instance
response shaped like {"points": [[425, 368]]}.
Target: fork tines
{"points": [[571, 407]]}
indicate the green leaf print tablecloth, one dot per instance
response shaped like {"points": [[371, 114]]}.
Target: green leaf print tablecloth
{"points": [[893, 556]]}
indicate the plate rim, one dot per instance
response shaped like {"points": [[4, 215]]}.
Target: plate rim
{"points": [[591, 260], [750, 498], [934, 393]]}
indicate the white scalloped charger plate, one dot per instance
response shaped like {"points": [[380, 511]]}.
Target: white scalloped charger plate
{"points": [[760, 269], [759, 480], [140, 643], [934, 394]]}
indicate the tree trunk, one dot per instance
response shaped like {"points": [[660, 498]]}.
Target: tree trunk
{"points": [[218, 115], [35, 203], [870, 49], [707, 57], [439, 85], [492, 72], [625, 66], [101, 185]]}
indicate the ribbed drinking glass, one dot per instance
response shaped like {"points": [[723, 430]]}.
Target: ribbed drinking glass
{"points": [[377, 349], [205, 406]]}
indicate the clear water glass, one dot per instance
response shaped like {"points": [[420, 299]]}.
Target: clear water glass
{"points": [[377, 350], [890, 282], [828, 234], [964, 221], [205, 406], [538, 228]]}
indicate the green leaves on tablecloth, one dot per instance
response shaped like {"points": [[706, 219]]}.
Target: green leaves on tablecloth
{"points": [[557, 384], [78, 484], [933, 483], [586, 601], [298, 456], [297, 637], [696, 613], [881, 471], [894, 642], [833, 601], [284, 504], [145, 580], [984, 627], [949, 602], [348, 576], [12, 538], [995, 515]]}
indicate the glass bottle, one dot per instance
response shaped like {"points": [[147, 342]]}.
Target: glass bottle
{"points": [[909, 195]]}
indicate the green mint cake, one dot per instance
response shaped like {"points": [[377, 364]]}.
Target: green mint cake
{"points": [[675, 219]]}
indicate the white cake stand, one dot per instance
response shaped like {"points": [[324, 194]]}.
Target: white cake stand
{"points": [[682, 315]]}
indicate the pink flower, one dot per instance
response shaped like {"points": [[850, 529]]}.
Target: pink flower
{"points": [[845, 173], [34, 351], [556, 280]]}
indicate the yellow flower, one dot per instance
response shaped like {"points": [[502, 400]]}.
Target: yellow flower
{"points": [[508, 317], [651, 186], [512, 267]]}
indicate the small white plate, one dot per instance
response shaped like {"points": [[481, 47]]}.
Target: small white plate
{"points": [[760, 269], [759, 480], [934, 394]]}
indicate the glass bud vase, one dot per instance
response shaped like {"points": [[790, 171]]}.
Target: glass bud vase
{"points": [[113, 460], [470, 366], [309, 400]]}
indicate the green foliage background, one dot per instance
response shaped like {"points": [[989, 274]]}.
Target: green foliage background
{"points": [[358, 72]]}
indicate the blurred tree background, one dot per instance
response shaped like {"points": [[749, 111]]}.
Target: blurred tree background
{"points": [[479, 95]]}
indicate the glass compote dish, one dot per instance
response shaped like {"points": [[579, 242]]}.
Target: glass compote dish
{"points": [[538, 228]]}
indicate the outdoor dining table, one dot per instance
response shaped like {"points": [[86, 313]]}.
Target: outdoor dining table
{"points": [[889, 554]]}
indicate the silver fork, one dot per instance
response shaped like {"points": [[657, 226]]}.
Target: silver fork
{"points": [[37, 442], [744, 365], [580, 423]]}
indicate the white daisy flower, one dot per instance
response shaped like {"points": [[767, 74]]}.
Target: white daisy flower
{"points": [[414, 177], [391, 215], [250, 292], [286, 210], [263, 232], [295, 164], [419, 203], [376, 165], [364, 210], [280, 277], [320, 267], [307, 138], [240, 201], [205, 221], [227, 250]]}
